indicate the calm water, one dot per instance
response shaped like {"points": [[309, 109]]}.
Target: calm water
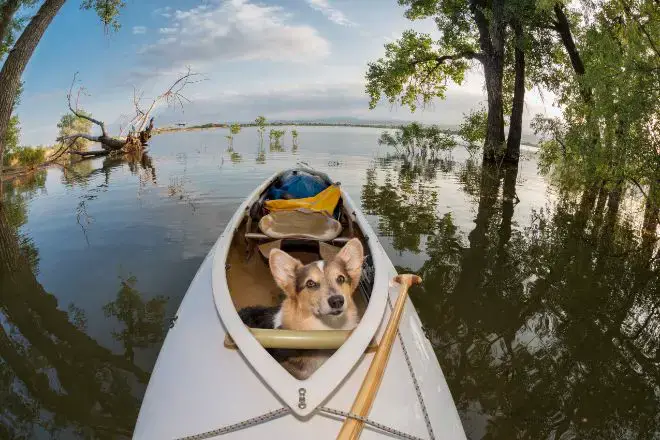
{"points": [[542, 306]]}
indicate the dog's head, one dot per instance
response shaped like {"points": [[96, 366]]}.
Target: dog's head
{"points": [[322, 288]]}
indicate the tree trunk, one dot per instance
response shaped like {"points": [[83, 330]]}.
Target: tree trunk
{"points": [[495, 122], [515, 126], [564, 30], [109, 144], [17, 60], [492, 44]]}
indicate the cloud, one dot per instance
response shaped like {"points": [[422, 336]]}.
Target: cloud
{"points": [[233, 30], [312, 100], [139, 30], [303, 101], [164, 12], [333, 14]]}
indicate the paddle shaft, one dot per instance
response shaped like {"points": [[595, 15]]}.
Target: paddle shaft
{"points": [[352, 428]]}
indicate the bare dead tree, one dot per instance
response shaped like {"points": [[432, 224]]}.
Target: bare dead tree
{"points": [[139, 127]]}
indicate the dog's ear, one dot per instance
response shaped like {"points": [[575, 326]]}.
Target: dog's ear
{"points": [[283, 267], [352, 256]]}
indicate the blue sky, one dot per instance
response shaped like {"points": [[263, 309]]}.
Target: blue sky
{"points": [[283, 59]]}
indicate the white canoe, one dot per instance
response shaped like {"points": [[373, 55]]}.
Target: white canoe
{"points": [[200, 387]]}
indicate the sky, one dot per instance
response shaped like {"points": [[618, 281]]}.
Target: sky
{"points": [[286, 59]]}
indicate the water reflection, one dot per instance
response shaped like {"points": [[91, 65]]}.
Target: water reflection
{"points": [[143, 321], [546, 322], [550, 330], [55, 379]]}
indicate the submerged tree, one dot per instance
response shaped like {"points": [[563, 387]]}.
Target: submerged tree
{"points": [[416, 139], [608, 135], [261, 127], [418, 68], [139, 127], [234, 129], [275, 136]]}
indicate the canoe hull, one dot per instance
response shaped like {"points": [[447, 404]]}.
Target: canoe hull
{"points": [[198, 385]]}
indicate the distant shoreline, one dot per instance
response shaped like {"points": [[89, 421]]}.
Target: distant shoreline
{"points": [[383, 125], [213, 125]]}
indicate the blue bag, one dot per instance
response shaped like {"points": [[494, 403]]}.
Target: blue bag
{"points": [[296, 185]]}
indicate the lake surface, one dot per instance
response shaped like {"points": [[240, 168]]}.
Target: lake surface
{"points": [[542, 304]]}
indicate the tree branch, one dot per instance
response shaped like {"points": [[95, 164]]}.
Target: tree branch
{"points": [[91, 153], [172, 96], [75, 136], [77, 112], [482, 25], [468, 55], [563, 28]]}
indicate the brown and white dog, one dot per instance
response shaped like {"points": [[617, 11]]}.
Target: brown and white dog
{"points": [[318, 296]]}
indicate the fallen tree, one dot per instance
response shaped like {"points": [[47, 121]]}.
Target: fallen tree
{"points": [[140, 127]]}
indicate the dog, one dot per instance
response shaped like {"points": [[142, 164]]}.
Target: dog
{"points": [[318, 296]]}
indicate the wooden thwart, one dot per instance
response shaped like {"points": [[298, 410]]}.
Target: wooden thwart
{"points": [[301, 340]]}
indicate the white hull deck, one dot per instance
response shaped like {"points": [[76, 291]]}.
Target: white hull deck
{"points": [[198, 385]]}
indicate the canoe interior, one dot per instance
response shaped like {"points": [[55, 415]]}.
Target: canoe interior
{"points": [[250, 281]]}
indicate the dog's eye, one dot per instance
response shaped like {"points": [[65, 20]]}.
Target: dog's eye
{"points": [[311, 284], [341, 279]]}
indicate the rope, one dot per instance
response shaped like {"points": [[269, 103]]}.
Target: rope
{"points": [[366, 421], [271, 415]]}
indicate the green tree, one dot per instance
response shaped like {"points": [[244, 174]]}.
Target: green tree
{"points": [[509, 39], [275, 136], [70, 124], [261, 126], [608, 136], [417, 67], [234, 129], [416, 139], [23, 47], [294, 137]]}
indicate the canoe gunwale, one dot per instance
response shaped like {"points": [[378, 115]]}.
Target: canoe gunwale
{"points": [[323, 382]]}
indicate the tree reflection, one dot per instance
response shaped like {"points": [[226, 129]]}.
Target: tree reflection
{"points": [[81, 173], [54, 378], [144, 321], [549, 330], [404, 203]]}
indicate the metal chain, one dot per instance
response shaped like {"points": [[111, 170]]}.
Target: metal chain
{"points": [[366, 421], [271, 415]]}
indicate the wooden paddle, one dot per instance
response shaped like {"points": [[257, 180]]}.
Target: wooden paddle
{"points": [[352, 428]]}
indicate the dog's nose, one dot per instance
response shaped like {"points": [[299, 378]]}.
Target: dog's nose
{"points": [[336, 301]]}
